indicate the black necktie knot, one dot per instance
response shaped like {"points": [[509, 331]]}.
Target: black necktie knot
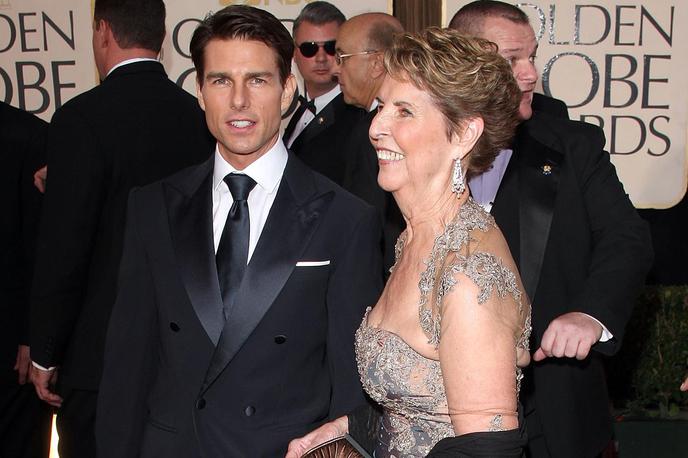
{"points": [[239, 185]]}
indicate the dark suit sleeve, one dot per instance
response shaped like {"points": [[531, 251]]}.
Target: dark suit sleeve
{"points": [[130, 351], [355, 283], [622, 251], [71, 208]]}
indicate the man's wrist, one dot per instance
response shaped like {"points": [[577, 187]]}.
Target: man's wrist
{"points": [[41, 368]]}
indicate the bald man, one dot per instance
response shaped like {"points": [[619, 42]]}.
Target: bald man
{"points": [[361, 44]]}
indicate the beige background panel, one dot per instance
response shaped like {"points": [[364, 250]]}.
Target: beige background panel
{"points": [[621, 66]]}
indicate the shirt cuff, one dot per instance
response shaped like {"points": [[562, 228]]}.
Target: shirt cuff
{"points": [[38, 366], [606, 335]]}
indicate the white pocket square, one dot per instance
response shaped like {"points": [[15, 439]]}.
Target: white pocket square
{"points": [[312, 263]]}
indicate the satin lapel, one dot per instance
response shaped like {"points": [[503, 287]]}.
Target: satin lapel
{"points": [[324, 119], [293, 219], [539, 172], [190, 219]]}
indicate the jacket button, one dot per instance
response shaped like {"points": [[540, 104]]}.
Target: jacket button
{"points": [[250, 410], [280, 339], [174, 326], [200, 404]]}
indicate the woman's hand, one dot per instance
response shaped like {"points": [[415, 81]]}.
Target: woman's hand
{"points": [[335, 428]]}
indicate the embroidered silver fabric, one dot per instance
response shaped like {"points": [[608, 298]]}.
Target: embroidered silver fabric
{"points": [[409, 386]]}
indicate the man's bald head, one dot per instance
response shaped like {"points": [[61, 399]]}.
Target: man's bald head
{"points": [[362, 40]]}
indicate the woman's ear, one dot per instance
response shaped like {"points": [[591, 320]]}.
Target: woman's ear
{"points": [[469, 136]]}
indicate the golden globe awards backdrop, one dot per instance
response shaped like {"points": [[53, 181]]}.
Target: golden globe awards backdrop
{"points": [[45, 53], [620, 65], [45, 46]]}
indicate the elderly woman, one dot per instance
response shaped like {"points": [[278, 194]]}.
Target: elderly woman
{"points": [[442, 349]]}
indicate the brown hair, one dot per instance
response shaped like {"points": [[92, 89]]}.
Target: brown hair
{"points": [[243, 23], [134, 23], [466, 78]]}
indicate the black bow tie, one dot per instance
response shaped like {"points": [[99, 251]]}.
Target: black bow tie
{"points": [[308, 105]]}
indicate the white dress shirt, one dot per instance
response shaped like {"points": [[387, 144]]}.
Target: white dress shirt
{"points": [[308, 116], [267, 172], [131, 61]]}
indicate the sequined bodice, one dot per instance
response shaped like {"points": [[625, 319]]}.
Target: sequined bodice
{"points": [[408, 385]]}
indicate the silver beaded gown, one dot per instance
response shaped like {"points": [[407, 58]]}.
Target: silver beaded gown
{"points": [[408, 385]]}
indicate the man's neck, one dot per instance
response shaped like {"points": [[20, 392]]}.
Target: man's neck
{"points": [[120, 55]]}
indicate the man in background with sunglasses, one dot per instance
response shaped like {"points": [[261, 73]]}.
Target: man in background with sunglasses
{"points": [[320, 125]]}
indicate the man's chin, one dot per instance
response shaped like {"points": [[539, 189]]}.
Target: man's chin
{"points": [[525, 112]]}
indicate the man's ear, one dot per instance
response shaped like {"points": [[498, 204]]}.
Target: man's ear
{"points": [[377, 67], [199, 93], [469, 136], [288, 92]]}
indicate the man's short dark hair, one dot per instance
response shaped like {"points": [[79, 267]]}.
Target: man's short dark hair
{"points": [[319, 13], [134, 23], [469, 19], [242, 22]]}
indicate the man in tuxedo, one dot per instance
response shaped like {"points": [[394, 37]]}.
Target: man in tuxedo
{"points": [[243, 279], [318, 130], [24, 419], [582, 250], [361, 44], [135, 127]]}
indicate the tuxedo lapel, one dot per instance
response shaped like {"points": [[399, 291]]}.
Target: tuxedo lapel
{"points": [[539, 172], [324, 119], [293, 219], [189, 203]]}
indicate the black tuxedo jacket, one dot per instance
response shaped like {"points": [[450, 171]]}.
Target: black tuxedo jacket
{"points": [[321, 145], [134, 128], [361, 179], [580, 246], [284, 360]]}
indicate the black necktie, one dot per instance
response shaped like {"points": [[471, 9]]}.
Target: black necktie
{"points": [[232, 252], [303, 106]]}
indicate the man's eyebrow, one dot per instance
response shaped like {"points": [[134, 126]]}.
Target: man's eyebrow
{"points": [[213, 75], [262, 74]]}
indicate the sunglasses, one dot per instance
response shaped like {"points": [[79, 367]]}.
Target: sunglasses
{"points": [[310, 48]]}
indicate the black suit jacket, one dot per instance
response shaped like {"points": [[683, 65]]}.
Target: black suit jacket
{"points": [[134, 128], [22, 143], [580, 246], [361, 179], [24, 419], [284, 360], [322, 144], [550, 106]]}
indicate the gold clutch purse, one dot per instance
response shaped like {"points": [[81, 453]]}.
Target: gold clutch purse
{"points": [[339, 447]]}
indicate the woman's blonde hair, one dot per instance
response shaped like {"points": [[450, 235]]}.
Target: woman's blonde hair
{"points": [[466, 78]]}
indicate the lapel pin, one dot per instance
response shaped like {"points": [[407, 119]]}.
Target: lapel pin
{"points": [[546, 169], [321, 120]]}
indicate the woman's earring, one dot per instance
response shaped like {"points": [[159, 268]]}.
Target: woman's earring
{"points": [[458, 183]]}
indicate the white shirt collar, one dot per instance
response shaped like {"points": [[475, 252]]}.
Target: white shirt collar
{"points": [[130, 61], [373, 105], [267, 170], [322, 100]]}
